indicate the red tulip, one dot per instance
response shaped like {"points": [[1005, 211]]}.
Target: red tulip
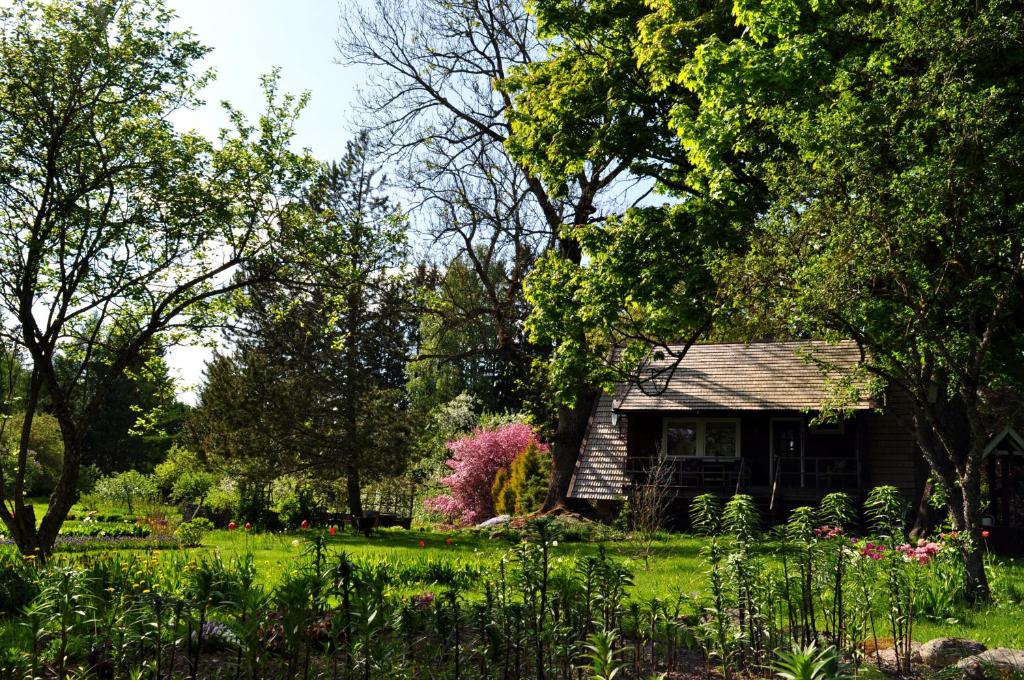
{"points": [[448, 541], [423, 544], [305, 524], [984, 533], [248, 525], [333, 530], [232, 526]]}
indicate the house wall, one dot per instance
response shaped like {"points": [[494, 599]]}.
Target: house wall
{"points": [[893, 455]]}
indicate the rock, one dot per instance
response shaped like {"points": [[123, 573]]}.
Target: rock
{"points": [[995, 663], [493, 522], [946, 651], [887, 657]]}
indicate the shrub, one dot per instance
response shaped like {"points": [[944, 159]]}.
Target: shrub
{"points": [[178, 462], [45, 452], [191, 534], [105, 529], [298, 505], [192, 487], [475, 460], [223, 499], [521, 490], [17, 585], [503, 493], [127, 488]]}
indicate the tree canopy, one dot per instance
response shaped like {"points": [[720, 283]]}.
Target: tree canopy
{"points": [[854, 172], [117, 227]]}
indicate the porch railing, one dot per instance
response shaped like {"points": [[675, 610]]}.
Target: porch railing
{"points": [[818, 473], [730, 474], [688, 473]]}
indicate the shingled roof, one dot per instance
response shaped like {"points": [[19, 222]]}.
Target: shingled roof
{"points": [[762, 376], [600, 469]]}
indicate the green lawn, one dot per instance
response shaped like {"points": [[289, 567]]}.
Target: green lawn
{"points": [[675, 568]]}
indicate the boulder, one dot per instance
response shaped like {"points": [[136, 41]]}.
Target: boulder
{"points": [[995, 663], [887, 657], [493, 522], [946, 651]]}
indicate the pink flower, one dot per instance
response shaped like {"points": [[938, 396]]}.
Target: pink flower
{"points": [[423, 544], [984, 533], [448, 541], [332, 530], [475, 460], [232, 526], [248, 525], [304, 524]]}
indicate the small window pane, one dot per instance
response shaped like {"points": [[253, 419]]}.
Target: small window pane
{"points": [[720, 439], [682, 439]]}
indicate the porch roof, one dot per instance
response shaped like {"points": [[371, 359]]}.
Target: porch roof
{"points": [[766, 376]]}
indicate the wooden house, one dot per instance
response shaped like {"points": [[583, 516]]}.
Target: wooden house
{"points": [[733, 418]]}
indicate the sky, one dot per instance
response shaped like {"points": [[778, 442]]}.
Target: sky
{"points": [[249, 38]]}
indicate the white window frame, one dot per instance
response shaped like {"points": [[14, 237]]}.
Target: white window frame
{"points": [[701, 436]]}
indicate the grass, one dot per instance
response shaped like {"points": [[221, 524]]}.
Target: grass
{"points": [[675, 568], [675, 564]]}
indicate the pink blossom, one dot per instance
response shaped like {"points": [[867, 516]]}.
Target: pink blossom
{"points": [[475, 460]]}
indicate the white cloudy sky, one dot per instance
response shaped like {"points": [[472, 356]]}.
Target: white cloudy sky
{"points": [[249, 38]]}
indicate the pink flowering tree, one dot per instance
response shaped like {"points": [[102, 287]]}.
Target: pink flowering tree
{"points": [[475, 460]]}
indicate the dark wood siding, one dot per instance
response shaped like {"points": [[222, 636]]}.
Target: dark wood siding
{"points": [[893, 457]]}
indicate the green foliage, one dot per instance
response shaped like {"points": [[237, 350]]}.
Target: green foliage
{"points": [[190, 534], [741, 518], [126, 232], [127, 488], [223, 499], [45, 452], [503, 493], [801, 524], [179, 460], [17, 584], [521, 490], [886, 510], [105, 529], [806, 663], [193, 487], [316, 379], [299, 504], [706, 513], [602, 656], [836, 509]]}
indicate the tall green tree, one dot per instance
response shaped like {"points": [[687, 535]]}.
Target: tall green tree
{"points": [[646, 278], [866, 158], [118, 230], [320, 365], [898, 202]]}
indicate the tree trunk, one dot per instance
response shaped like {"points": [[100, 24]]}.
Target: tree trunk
{"points": [[565, 448], [924, 520], [974, 559], [355, 499]]}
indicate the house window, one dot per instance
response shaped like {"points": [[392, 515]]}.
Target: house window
{"points": [[701, 438]]}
